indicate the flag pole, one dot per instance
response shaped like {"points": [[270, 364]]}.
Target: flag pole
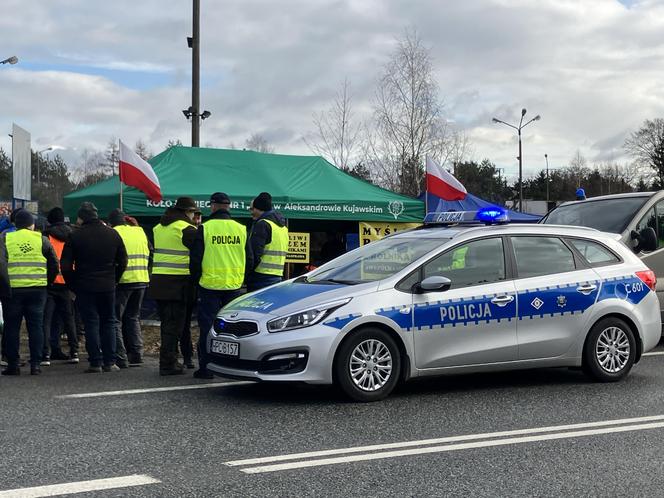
{"points": [[120, 175], [426, 188]]}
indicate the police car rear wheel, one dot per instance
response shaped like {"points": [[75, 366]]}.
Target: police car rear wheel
{"points": [[610, 350], [368, 365]]}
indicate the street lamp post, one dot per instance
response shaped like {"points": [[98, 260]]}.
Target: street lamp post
{"points": [[10, 60], [518, 130], [546, 157]]}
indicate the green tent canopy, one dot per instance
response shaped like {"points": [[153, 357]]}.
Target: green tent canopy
{"points": [[304, 187]]}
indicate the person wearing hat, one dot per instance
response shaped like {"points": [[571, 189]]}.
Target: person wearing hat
{"points": [[580, 194], [130, 290], [267, 246], [171, 284], [59, 303], [217, 265], [31, 266], [93, 260]]}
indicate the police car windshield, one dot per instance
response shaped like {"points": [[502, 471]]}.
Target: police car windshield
{"points": [[607, 215], [375, 261]]}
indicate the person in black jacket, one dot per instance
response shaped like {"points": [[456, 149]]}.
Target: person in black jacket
{"points": [[59, 304], [93, 260]]}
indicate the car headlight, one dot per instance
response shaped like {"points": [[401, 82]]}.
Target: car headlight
{"points": [[304, 318]]}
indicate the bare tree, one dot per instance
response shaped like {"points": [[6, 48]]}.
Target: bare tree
{"points": [[578, 167], [408, 121], [112, 156], [174, 143], [337, 134], [258, 143], [142, 150], [646, 145]]}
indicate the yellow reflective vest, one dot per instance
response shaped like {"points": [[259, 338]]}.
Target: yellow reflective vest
{"points": [[138, 254], [224, 254], [274, 254], [26, 261], [171, 256]]}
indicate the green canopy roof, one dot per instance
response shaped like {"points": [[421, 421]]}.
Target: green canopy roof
{"points": [[306, 187]]}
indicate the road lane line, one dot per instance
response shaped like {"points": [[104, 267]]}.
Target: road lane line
{"points": [[80, 487], [448, 439], [446, 448], [654, 353], [153, 390]]}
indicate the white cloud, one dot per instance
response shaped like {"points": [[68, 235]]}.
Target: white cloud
{"points": [[592, 69]]}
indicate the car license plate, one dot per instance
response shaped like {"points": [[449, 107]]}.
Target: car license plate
{"points": [[225, 347]]}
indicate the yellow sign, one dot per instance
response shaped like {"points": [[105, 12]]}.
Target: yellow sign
{"points": [[298, 247], [370, 231]]}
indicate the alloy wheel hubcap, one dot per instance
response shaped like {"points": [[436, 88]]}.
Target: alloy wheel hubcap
{"points": [[370, 365], [612, 349]]}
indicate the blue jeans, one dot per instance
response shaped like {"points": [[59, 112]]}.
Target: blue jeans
{"points": [[211, 301], [25, 303], [98, 314], [256, 281], [129, 337]]}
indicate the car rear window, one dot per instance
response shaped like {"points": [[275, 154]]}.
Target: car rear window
{"points": [[607, 215], [537, 256], [593, 252]]}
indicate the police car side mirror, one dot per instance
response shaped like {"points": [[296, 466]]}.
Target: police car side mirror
{"points": [[646, 240], [434, 284]]}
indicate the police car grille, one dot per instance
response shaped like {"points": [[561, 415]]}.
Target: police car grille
{"points": [[238, 329]]}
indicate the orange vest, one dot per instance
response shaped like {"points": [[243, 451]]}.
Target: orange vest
{"points": [[58, 245]]}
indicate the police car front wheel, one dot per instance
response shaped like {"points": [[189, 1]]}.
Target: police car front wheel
{"points": [[368, 365], [610, 350]]}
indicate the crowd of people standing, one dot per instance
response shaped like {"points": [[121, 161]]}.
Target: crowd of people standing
{"points": [[101, 271]]}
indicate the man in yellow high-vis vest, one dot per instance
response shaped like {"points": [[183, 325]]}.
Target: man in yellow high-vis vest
{"points": [[217, 264], [130, 290], [32, 266], [170, 284], [267, 246]]}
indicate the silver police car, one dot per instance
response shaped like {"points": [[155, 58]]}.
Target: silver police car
{"points": [[447, 298]]}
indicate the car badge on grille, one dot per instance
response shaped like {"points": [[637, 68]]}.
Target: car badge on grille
{"points": [[233, 315]]}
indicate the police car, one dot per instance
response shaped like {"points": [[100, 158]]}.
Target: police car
{"points": [[449, 297]]}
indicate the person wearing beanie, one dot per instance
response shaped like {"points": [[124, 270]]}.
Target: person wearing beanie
{"points": [[59, 302], [93, 261], [217, 266], [267, 245], [31, 266], [170, 284], [130, 290]]}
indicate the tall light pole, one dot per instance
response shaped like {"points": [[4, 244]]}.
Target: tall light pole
{"points": [[39, 163], [10, 60], [518, 130], [546, 157]]}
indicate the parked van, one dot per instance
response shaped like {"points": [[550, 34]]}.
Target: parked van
{"points": [[637, 217]]}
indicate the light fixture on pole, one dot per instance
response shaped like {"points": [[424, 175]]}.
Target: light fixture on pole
{"points": [[39, 162], [10, 60], [546, 157], [518, 130]]}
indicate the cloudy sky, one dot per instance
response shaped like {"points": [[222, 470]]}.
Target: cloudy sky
{"points": [[90, 70]]}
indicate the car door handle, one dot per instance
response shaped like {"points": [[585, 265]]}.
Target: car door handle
{"points": [[586, 289], [502, 300]]}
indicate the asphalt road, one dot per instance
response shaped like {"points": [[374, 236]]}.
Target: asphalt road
{"points": [[180, 442]]}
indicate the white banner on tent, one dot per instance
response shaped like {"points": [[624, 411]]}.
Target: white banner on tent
{"points": [[21, 163]]}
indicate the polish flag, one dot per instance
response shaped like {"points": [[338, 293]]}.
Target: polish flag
{"points": [[442, 184], [136, 172]]}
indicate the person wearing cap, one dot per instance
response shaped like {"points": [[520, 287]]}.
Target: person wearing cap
{"points": [[267, 246], [171, 284], [31, 266], [580, 194], [93, 260], [130, 290], [217, 265], [59, 303]]}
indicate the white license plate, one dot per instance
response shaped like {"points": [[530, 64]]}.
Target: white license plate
{"points": [[225, 347]]}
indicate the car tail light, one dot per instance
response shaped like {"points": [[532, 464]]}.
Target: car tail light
{"points": [[649, 278]]}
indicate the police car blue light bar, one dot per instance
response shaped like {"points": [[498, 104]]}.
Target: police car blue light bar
{"points": [[488, 215]]}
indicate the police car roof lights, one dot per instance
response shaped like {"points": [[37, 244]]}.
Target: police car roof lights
{"points": [[490, 215]]}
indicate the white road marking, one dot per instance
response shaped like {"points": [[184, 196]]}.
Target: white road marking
{"points": [[153, 390], [654, 353], [80, 487], [448, 447], [449, 439]]}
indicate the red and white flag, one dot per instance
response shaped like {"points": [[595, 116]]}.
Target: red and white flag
{"points": [[136, 172], [442, 183]]}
